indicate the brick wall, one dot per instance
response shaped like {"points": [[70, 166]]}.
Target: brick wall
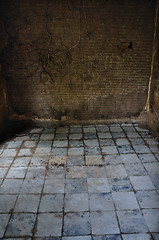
{"points": [[77, 59], [3, 105]]}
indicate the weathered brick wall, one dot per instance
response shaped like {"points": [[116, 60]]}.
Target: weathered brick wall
{"points": [[78, 59], [3, 105]]}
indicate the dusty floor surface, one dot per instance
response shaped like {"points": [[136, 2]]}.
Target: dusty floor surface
{"points": [[96, 182]]}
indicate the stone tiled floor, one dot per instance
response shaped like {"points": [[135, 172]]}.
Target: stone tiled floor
{"points": [[80, 183]]}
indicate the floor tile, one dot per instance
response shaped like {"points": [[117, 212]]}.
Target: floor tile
{"points": [[104, 135], [147, 157], [22, 238], [112, 159], [75, 143], [29, 144], [21, 224], [76, 151], [132, 222], [133, 134], [11, 186], [118, 135], [92, 150], [96, 172], [32, 186], [106, 142], [56, 172], [122, 141], [16, 172], [54, 186], [101, 202], [90, 135], [76, 224], [6, 161], [9, 153], [130, 158], [151, 141], [94, 160], [146, 134], [49, 225], [152, 219], [148, 199], [21, 162], [76, 136], [116, 129], [102, 128], [77, 238], [120, 184], [91, 143], [155, 181], [154, 148], [42, 151], [47, 136], [4, 218], [114, 171], [125, 200], [141, 149], [60, 143], [125, 149], [136, 141], [76, 186], [77, 160], [104, 223], [44, 144], [52, 203], [35, 137], [25, 152], [152, 168], [76, 202], [39, 161], [76, 172], [144, 236], [57, 161], [59, 152], [107, 237], [14, 144], [3, 172], [75, 129], [36, 172], [96, 185], [109, 150], [7, 203], [89, 129], [135, 169], [61, 136], [27, 203], [141, 183]]}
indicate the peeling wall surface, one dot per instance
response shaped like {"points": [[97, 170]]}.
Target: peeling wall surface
{"points": [[77, 59], [154, 98]]}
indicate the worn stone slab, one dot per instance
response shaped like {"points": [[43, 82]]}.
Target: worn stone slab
{"points": [[76, 224], [104, 223]]}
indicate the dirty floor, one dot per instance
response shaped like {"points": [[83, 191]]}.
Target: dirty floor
{"points": [[96, 182]]}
